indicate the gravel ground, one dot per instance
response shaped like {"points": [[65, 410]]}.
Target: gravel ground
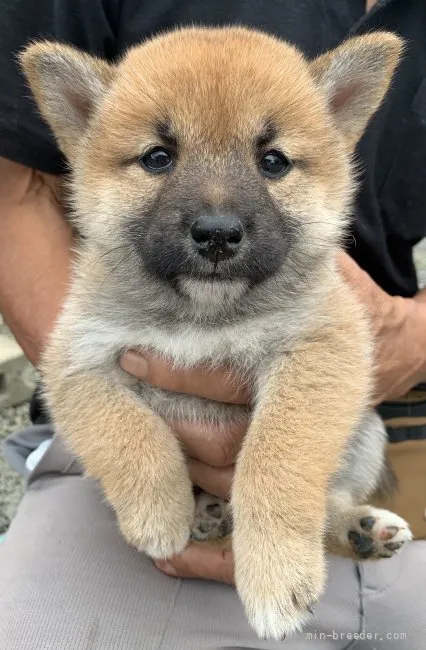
{"points": [[14, 418], [11, 483]]}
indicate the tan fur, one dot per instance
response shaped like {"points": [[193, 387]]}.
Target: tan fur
{"points": [[309, 363], [278, 450], [138, 485]]}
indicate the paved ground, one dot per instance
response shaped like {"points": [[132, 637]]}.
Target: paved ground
{"points": [[11, 419]]}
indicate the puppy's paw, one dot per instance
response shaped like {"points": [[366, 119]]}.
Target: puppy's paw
{"points": [[279, 581], [159, 525], [212, 518], [375, 533]]}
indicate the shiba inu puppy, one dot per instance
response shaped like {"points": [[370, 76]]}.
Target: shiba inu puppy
{"points": [[211, 184]]}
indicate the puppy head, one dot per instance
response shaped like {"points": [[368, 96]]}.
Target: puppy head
{"points": [[218, 157]]}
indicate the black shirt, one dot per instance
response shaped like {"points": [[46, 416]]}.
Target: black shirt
{"points": [[390, 211]]}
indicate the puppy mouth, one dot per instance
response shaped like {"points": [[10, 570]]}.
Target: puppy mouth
{"points": [[215, 276], [214, 271], [212, 288]]}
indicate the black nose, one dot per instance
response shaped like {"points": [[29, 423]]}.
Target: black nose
{"points": [[217, 237]]}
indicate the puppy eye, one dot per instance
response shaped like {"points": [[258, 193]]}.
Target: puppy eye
{"points": [[274, 164], [156, 160]]}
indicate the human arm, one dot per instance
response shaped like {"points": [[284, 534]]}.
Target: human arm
{"points": [[35, 238], [35, 254]]}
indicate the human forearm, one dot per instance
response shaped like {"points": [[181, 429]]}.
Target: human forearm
{"points": [[421, 296], [35, 254]]}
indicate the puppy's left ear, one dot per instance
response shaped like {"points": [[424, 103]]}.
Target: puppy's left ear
{"points": [[355, 78], [68, 85]]}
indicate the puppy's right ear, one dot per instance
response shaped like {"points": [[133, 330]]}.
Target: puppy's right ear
{"points": [[68, 85], [354, 79]]}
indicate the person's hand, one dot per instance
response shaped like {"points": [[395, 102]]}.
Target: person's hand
{"points": [[399, 327], [200, 561]]}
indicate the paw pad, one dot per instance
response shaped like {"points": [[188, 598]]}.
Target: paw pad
{"points": [[211, 518], [379, 534], [388, 532], [367, 523], [361, 544]]}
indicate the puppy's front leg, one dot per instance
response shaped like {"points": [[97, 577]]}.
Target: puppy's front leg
{"points": [[305, 413], [134, 455]]}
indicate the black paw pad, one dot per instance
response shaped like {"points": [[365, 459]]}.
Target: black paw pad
{"points": [[367, 523], [214, 510], [362, 546], [394, 546]]}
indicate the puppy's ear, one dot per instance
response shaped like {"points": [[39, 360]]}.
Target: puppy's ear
{"points": [[67, 85], [355, 78]]}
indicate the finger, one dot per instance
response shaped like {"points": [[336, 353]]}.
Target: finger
{"points": [[217, 481], [218, 385], [200, 561], [214, 445]]}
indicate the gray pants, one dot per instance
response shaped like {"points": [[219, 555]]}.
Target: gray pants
{"points": [[68, 580]]}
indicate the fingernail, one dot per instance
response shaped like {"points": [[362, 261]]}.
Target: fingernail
{"points": [[135, 364], [166, 567]]}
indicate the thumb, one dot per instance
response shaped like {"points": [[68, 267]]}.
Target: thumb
{"points": [[200, 561], [214, 480]]}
